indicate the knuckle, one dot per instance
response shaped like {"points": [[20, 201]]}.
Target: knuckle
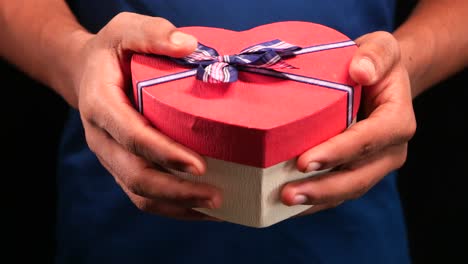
{"points": [[171, 158], [385, 47], [363, 187], [87, 106], [136, 186], [390, 45], [112, 38], [144, 205], [366, 149], [149, 25], [401, 158], [410, 129], [130, 139], [184, 193], [121, 17], [385, 36], [93, 144], [106, 122], [128, 136], [131, 144], [358, 193], [93, 141], [160, 21], [92, 109], [404, 133]]}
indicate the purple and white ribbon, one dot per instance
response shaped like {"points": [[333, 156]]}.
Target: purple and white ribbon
{"points": [[213, 68], [264, 58]]}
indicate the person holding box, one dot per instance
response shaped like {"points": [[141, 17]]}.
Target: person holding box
{"points": [[110, 174]]}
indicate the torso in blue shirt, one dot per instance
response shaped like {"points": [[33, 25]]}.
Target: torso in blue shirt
{"points": [[98, 224]]}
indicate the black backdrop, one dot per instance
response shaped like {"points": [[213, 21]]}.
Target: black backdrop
{"points": [[432, 181]]}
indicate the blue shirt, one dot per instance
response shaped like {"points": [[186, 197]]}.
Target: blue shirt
{"points": [[97, 223]]}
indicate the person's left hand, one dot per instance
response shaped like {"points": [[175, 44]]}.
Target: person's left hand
{"points": [[372, 147]]}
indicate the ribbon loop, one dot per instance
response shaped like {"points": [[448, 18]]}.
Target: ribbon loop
{"points": [[214, 68]]}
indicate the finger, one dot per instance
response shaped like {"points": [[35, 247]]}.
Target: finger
{"points": [[377, 54], [319, 207], [141, 178], [166, 208], [112, 111], [147, 34], [391, 123], [346, 183]]}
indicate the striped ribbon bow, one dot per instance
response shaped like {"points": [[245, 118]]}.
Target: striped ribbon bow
{"points": [[215, 68]]}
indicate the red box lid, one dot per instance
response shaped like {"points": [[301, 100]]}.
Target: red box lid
{"points": [[258, 120]]}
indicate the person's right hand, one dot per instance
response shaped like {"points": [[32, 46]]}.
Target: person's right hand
{"points": [[123, 140]]}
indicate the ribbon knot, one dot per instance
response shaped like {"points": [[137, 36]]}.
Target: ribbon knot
{"points": [[215, 68]]}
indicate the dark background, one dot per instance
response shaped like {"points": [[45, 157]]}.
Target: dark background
{"points": [[432, 181]]}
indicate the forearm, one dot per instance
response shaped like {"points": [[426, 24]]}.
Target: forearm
{"points": [[43, 39], [434, 42]]}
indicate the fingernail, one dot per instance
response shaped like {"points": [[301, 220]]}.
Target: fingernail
{"points": [[368, 67], [179, 38], [299, 199], [208, 204], [313, 166], [203, 203], [192, 170]]}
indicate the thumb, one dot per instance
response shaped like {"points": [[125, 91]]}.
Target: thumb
{"points": [[377, 54], [146, 34]]}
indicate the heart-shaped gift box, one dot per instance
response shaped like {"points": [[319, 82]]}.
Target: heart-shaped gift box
{"points": [[251, 130]]}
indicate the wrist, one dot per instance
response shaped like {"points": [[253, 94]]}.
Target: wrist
{"points": [[416, 58], [78, 43], [71, 61]]}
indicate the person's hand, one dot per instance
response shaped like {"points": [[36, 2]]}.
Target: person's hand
{"points": [[123, 140], [372, 147]]}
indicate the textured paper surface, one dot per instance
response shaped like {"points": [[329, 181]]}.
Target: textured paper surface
{"points": [[251, 195]]}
